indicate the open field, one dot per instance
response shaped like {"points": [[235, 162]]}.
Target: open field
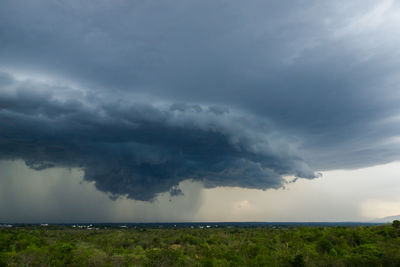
{"points": [[213, 246]]}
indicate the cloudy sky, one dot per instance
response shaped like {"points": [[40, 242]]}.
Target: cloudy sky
{"points": [[117, 110]]}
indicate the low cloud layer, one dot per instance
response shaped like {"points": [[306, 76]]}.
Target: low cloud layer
{"points": [[135, 148]]}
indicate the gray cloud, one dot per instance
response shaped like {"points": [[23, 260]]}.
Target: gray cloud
{"points": [[138, 148], [143, 95]]}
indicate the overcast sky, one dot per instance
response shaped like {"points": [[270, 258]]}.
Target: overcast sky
{"points": [[199, 110]]}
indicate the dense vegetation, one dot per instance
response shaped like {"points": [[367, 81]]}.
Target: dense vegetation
{"points": [[265, 246]]}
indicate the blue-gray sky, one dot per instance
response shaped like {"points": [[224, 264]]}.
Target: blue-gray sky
{"points": [[143, 95]]}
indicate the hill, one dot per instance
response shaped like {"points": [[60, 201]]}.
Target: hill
{"points": [[387, 219]]}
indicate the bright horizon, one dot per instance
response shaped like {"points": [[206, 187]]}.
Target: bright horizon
{"points": [[223, 204]]}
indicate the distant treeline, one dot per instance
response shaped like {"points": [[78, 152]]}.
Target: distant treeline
{"points": [[236, 246]]}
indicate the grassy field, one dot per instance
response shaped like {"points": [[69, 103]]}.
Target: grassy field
{"points": [[262, 246]]}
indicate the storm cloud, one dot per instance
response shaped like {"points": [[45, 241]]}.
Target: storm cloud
{"points": [[143, 95], [135, 148]]}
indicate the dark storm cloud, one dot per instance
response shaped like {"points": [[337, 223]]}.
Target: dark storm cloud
{"points": [[227, 92], [139, 149]]}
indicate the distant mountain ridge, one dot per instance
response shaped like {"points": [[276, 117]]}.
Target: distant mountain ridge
{"points": [[387, 219]]}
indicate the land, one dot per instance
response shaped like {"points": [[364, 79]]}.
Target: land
{"points": [[88, 245]]}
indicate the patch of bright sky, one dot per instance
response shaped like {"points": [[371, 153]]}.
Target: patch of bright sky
{"points": [[60, 194]]}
